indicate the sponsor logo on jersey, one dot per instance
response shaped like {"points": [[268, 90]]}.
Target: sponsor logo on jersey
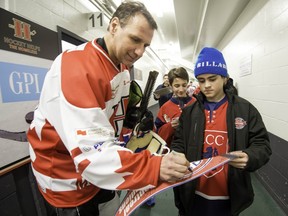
{"points": [[240, 123], [86, 149], [100, 131], [98, 145]]}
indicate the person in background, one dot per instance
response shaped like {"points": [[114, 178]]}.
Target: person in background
{"points": [[165, 97], [220, 122], [190, 88], [167, 118], [74, 148], [193, 88]]}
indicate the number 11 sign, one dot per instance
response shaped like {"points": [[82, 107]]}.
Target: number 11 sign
{"points": [[96, 20]]}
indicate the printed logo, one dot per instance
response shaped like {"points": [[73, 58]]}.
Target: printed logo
{"points": [[81, 132], [22, 30], [82, 184], [240, 123], [114, 91], [216, 143], [86, 149], [126, 82], [211, 64], [100, 131], [20, 82], [98, 145]]}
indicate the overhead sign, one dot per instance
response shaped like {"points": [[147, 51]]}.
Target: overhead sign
{"points": [[96, 21]]}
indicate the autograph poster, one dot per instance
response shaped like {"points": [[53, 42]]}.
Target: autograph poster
{"points": [[135, 198]]}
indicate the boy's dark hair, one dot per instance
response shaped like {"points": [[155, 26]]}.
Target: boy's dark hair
{"points": [[129, 9], [179, 72], [230, 86]]}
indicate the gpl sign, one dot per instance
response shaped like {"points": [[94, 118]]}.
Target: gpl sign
{"points": [[20, 82]]}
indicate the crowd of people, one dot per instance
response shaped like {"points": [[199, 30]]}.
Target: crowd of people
{"points": [[79, 159]]}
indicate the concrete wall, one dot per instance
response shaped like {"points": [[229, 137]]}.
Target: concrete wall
{"points": [[263, 39], [259, 40]]}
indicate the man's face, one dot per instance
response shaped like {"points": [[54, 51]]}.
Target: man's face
{"points": [[166, 81], [129, 42], [211, 86]]}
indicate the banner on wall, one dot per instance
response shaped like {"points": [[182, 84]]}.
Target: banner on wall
{"points": [[21, 83], [27, 51], [23, 36]]}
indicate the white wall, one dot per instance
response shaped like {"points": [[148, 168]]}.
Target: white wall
{"points": [[265, 39]]}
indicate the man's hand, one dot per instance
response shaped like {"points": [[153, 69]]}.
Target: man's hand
{"points": [[240, 161], [173, 167]]}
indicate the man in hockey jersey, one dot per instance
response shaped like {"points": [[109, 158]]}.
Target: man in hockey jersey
{"points": [[220, 122], [73, 138]]}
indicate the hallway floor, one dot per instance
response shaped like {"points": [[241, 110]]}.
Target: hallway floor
{"points": [[263, 205]]}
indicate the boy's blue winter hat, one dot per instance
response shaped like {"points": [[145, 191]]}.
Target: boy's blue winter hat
{"points": [[210, 61]]}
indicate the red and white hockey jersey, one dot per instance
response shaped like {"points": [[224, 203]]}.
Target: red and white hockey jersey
{"points": [[167, 112], [73, 147], [214, 184]]}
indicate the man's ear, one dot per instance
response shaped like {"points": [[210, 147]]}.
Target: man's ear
{"points": [[114, 24]]}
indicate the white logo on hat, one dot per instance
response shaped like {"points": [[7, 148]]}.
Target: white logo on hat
{"points": [[211, 64]]}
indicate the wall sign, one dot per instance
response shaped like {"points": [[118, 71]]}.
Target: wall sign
{"points": [[245, 66], [21, 82], [23, 36], [26, 53], [96, 21]]}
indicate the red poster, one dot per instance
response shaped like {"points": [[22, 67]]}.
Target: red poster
{"points": [[135, 198]]}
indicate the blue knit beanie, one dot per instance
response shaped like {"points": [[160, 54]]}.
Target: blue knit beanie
{"points": [[210, 61]]}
